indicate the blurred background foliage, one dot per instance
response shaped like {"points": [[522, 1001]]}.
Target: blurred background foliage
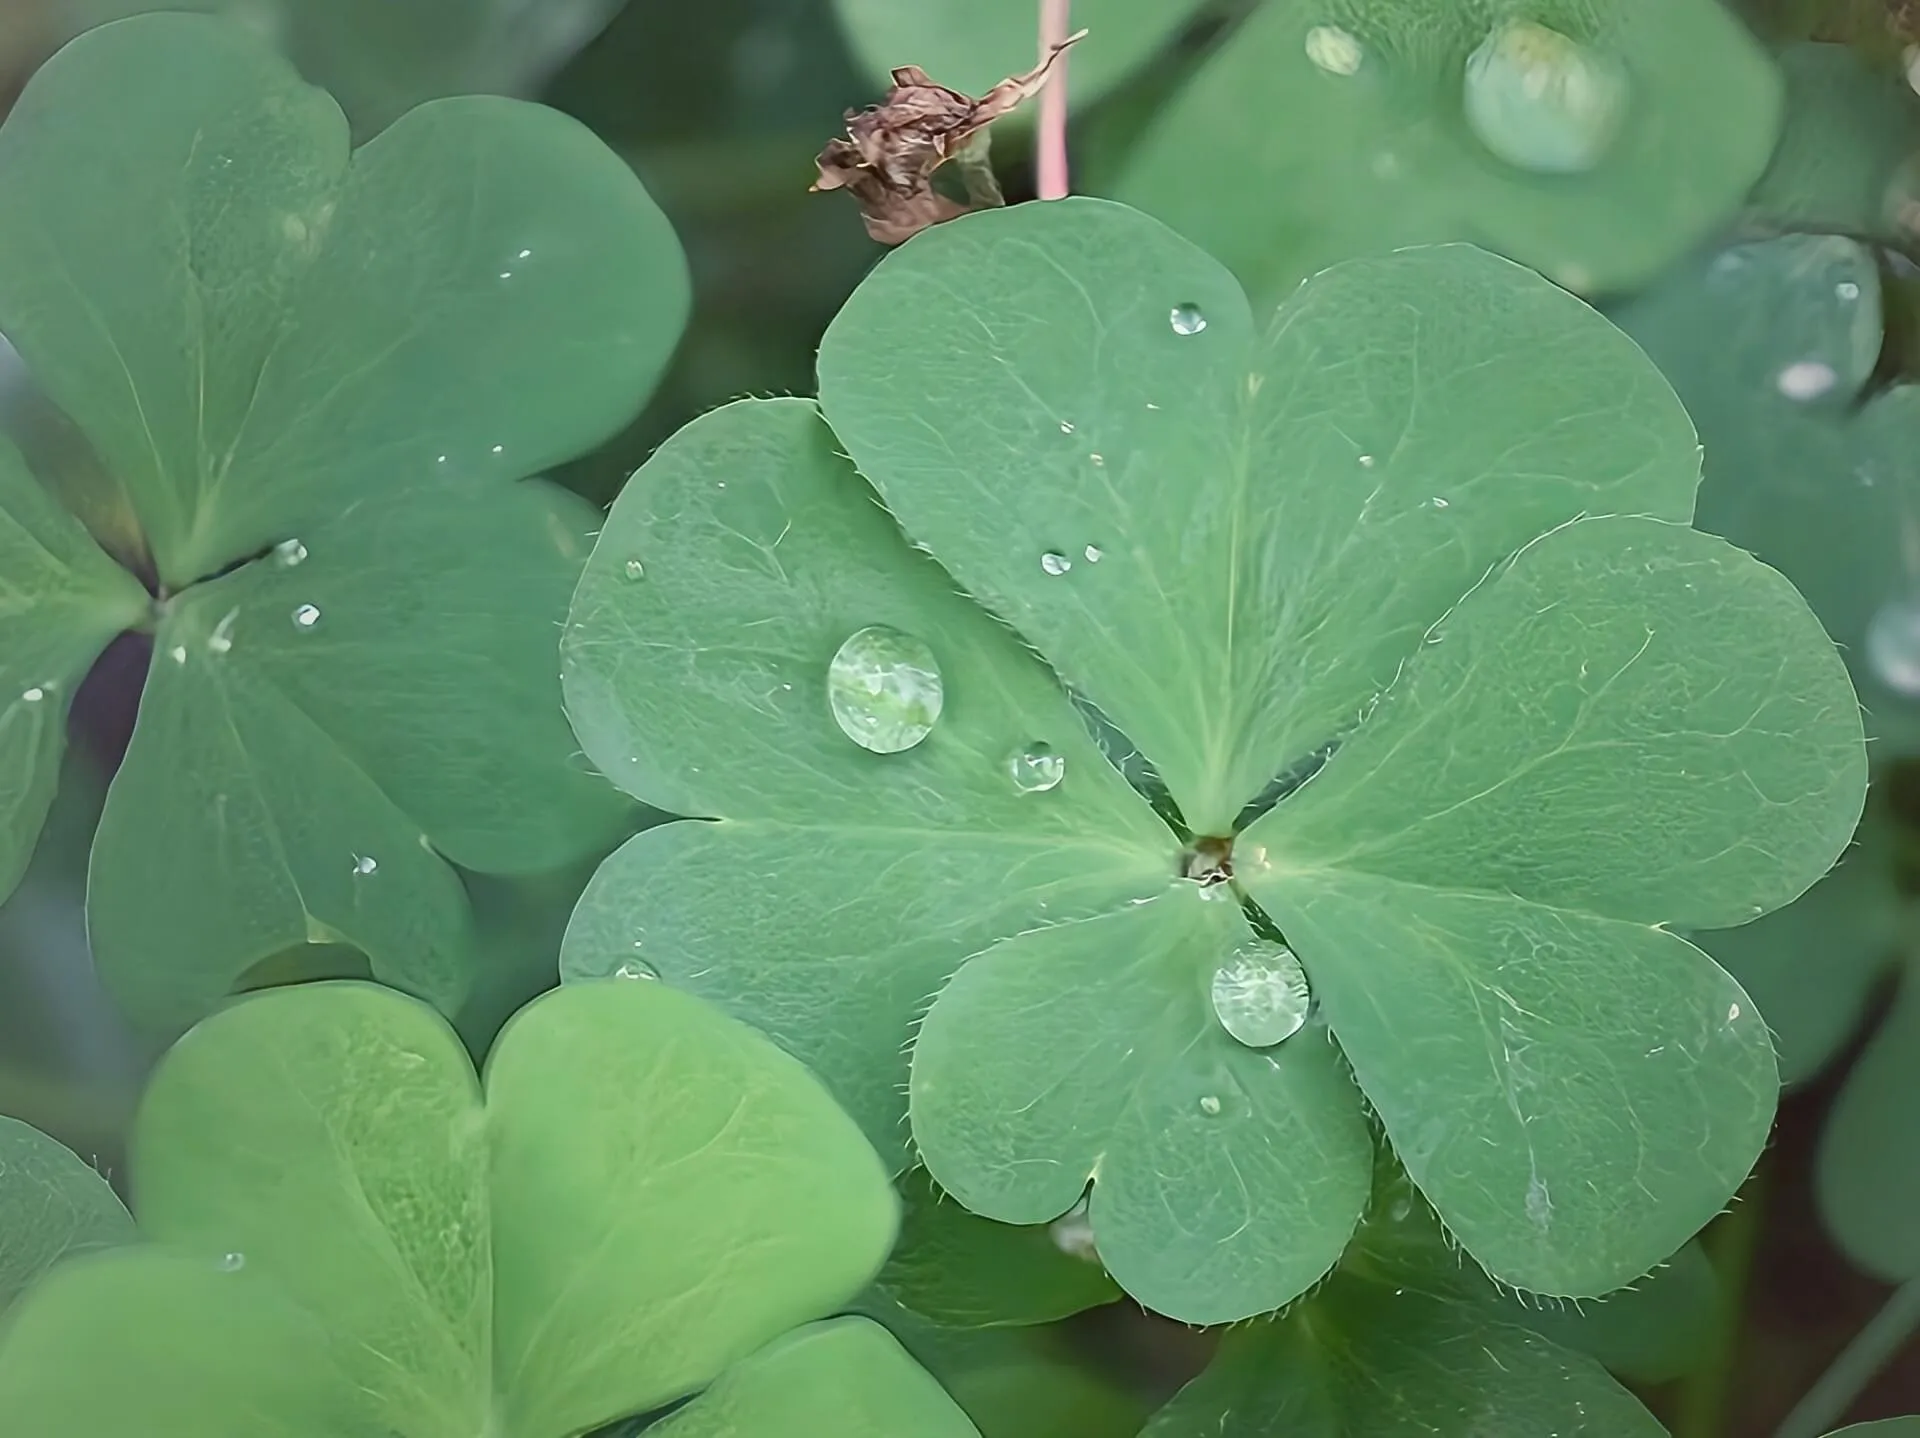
{"points": [[1764, 246]]}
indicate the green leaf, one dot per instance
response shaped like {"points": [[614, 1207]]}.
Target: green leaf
{"points": [[52, 1206], [1811, 966], [1660, 1329], [848, 1378], [966, 1272], [1771, 345], [1850, 127], [1226, 647], [701, 684], [1885, 1428], [1229, 1178], [61, 601], [972, 47], [348, 1238], [1868, 1175], [1280, 164], [1396, 1363]]}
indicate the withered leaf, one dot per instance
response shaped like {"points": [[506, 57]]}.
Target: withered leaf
{"points": [[892, 149]]}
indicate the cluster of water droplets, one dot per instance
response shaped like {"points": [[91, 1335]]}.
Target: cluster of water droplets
{"points": [[1260, 994], [1543, 101]]}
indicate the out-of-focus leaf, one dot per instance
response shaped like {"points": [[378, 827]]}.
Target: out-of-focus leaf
{"points": [[1868, 1178]]}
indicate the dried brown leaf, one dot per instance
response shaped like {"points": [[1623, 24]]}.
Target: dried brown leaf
{"points": [[891, 149]]}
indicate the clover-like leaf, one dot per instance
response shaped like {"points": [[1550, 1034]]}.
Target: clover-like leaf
{"points": [[1237, 544], [312, 375], [1771, 345], [1596, 142], [52, 1206], [345, 1235], [1868, 1176], [61, 601], [973, 45]]}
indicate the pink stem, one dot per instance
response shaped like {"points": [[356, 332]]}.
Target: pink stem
{"points": [[1052, 139]]}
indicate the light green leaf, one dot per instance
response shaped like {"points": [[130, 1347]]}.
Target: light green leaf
{"points": [[1045, 393], [1868, 1175], [52, 1206], [973, 47], [1584, 1090], [965, 1272], [848, 1378], [256, 327], [701, 686], [649, 1193], [1280, 163], [1228, 1179], [61, 601]]}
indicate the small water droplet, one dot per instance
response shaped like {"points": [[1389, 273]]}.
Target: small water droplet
{"points": [[33, 695], [221, 640], [1733, 1012], [1334, 50], [1367, 461], [365, 864], [634, 569], [289, 552], [1401, 1210], [1438, 502], [1055, 563], [1260, 994], [636, 969], [1094, 553], [232, 1262], [1187, 319], [1072, 1234], [1209, 1105], [440, 459], [1099, 461], [178, 653], [1036, 768], [1806, 379], [306, 616], [1065, 427], [1847, 290], [499, 449], [1542, 101], [1893, 646], [506, 274], [885, 689]]}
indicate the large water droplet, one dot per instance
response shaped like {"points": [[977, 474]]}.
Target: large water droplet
{"points": [[289, 552], [1334, 50], [1187, 319], [1036, 768], [1542, 101], [885, 689], [1260, 994], [1055, 563], [306, 616], [1893, 646]]}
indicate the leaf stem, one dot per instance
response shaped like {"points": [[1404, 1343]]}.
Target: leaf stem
{"points": [[1731, 1244], [1826, 1403], [1052, 180]]}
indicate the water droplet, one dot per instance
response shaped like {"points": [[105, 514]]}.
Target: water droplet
{"points": [[232, 1262], [289, 552], [178, 653], [1187, 319], [306, 616], [499, 449], [1367, 461], [1260, 994], [1036, 768], [1893, 646], [1094, 553], [1099, 461], [634, 569], [506, 274], [221, 640], [1072, 1234], [365, 864], [1401, 1211], [1438, 502], [1334, 50], [524, 255], [33, 695], [1806, 379], [1209, 1105], [1065, 427], [1847, 290], [1055, 563], [636, 969], [1542, 101], [885, 689]]}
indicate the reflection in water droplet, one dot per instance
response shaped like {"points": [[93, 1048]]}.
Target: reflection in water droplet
{"points": [[1542, 101], [289, 552], [634, 569], [1036, 768], [306, 616], [1095, 553], [1065, 428], [1334, 50], [365, 864], [1806, 379], [885, 689], [1054, 562], [1847, 290], [232, 1262], [33, 695], [1209, 1105], [636, 969], [1187, 320], [1099, 460], [1439, 503], [1366, 461], [1893, 646], [1260, 994]]}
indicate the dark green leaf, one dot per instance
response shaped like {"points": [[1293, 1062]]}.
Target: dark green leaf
{"points": [[1868, 1179], [1850, 127]]}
